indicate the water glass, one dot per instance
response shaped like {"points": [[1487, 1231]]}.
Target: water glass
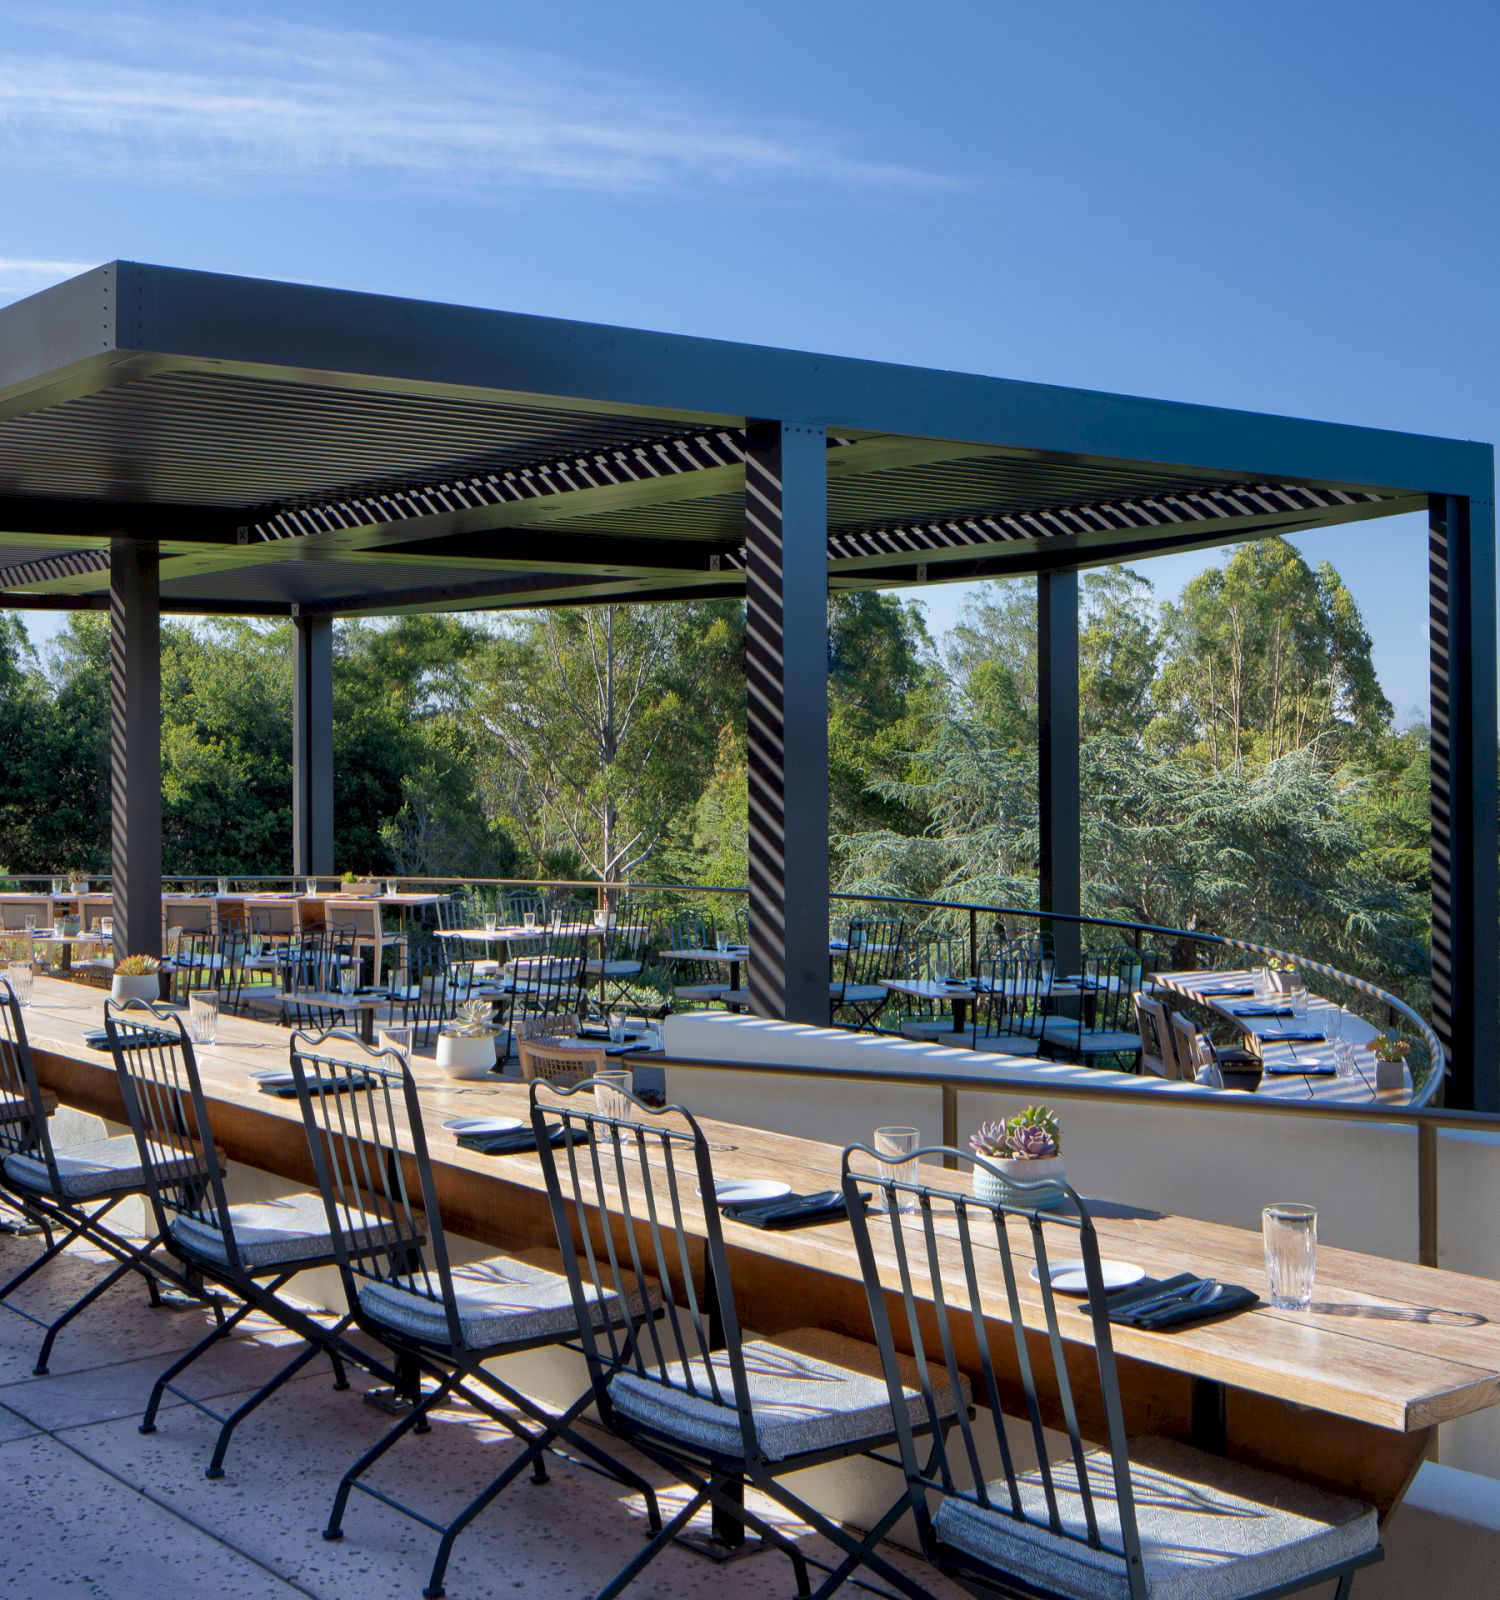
{"points": [[1343, 1059], [20, 975], [897, 1142], [1297, 1000], [611, 1087], [1263, 988], [601, 919], [203, 1014], [107, 928], [721, 943], [223, 885], [348, 979], [397, 1036], [1291, 1239], [31, 924], [1331, 1021], [617, 1027], [528, 921], [312, 886], [491, 922]]}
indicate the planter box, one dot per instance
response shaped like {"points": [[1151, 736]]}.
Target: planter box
{"points": [[995, 1190], [467, 1056], [147, 986]]}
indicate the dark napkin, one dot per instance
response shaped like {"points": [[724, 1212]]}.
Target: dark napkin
{"points": [[1289, 1069], [1261, 1011], [99, 1039], [1224, 994], [519, 1140], [590, 1031], [1174, 1314], [339, 1085], [790, 1210], [1289, 1036]]}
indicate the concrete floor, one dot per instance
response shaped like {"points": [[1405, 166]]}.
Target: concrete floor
{"points": [[92, 1508]]}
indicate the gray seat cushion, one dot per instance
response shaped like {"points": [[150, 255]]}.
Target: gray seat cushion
{"points": [[1059, 1031], [502, 1300], [1007, 1044], [85, 1171], [810, 1390], [1210, 1529], [698, 991], [857, 993], [267, 1233]]}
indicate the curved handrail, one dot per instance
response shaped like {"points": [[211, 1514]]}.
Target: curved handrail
{"points": [[1422, 1095]]}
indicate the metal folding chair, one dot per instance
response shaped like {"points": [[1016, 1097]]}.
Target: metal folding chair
{"points": [[718, 1409], [622, 955], [66, 1193], [694, 982], [1105, 1022], [251, 1251], [1009, 1014], [442, 1322], [875, 949], [1125, 1518]]}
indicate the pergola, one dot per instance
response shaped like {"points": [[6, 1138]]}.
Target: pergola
{"points": [[176, 441]]}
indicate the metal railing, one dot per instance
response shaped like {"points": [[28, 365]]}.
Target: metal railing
{"points": [[969, 913]]}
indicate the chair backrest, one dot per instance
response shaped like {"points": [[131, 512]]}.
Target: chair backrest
{"points": [[1157, 1052], [552, 980], [1015, 1003], [273, 920], [618, 1208], [628, 935], [1112, 979], [518, 902], [355, 1138], [939, 955], [93, 906], [1195, 1058], [167, 1112], [23, 1111], [922, 1276], [876, 949], [13, 913], [542, 1053]]}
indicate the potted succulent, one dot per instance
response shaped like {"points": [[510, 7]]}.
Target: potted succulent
{"points": [[1390, 1051], [466, 1046], [1027, 1148], [137, 978], [78, 882]]}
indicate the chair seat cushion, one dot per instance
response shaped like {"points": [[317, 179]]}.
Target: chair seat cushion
{"points": [[1060, 1031], [698, 991], [1209, 1528], [1007, 1044], [85, 1171], [857, 993], [810, 1390], [503, 1300], [267, 1233], [613, 968]]}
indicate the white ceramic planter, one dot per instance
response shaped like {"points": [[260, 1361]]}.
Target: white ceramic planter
{"points": [[147, 986], [995, 1190], [466, 1056], [80, 886]]}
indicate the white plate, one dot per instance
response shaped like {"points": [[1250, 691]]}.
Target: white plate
{"points": [[465, 1126], [1068, 1278], [274, 1075], [735, 1191]]}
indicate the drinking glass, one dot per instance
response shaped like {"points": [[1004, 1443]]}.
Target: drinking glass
{"points": [[601, 919], [896, 1142], [610, 1090], [1343, 1058], [528, 921], [312, 886], [203, 1014], [617, 1027], [1331, 1021], [106, 928], [223, 885], [557, 922], [19, 973], [1297, 1000], [940, 969], [1262, 976], [348, 979], [1291, 1239], [491, 922], [31, 924], [397, 1036]]}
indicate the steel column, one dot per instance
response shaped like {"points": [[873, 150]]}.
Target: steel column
{"points": [[135, 745], [1058, 809], [1465, 839], [312, 744], [786, 664]]}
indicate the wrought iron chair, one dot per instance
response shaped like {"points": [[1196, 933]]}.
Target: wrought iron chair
{"points": [[622, 956], [67, 1193], [719, 1409], [442, 1322], [1127, 1518], [1105, 1021], [940, 955], [695, 982], [1010, 1014], [875, 949], [316, 966], [251, 1251], [551, 982]]}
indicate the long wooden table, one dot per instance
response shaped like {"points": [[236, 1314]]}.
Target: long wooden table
{"points": [[1347, 1394]]}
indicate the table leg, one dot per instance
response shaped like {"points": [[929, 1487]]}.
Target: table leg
{"points": [[960, 1014], [367, 1024], [1210, 1418]]}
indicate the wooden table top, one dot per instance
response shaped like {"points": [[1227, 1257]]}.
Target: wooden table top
{"points": [[1359, 1090], [1388, 1344]]}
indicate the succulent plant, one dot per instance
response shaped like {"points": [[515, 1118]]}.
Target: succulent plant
{"points": [[1030, 1135], [1390, 1046], [138, 967], [475, 1019]]}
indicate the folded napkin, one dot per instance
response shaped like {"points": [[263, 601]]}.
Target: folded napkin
{"points": [[339, 1085], [790, 1210], [1291, 1069], [592, 1032], [1157, 1314], [1261, 1011], [1288, 1036], [99, 1039], [519, 1140], [1224, 994]]}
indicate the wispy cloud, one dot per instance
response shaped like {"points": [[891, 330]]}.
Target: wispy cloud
{"points": [[23, 275], [216, 100]]}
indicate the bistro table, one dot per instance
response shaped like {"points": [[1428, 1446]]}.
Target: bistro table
{"points": [[1347, 1394], [1287, 1083], [961, 993]]}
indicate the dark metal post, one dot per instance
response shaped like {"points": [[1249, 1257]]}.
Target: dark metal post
{"points": [[1059, 818], [135, 745], [312, 745], [1465, 839], [786, 664]]}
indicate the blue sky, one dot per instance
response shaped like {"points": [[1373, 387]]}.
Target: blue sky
{"points": [[1284, 206]]}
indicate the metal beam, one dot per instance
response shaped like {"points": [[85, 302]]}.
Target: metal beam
{"points": [[1059, 812], [786, 665], [1465, 837], [312, 744], [135, 745]]}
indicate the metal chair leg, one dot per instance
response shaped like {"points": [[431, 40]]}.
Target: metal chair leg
{"points": [[643, 1558], [221, 1330], [215, 1467], [862, 1550], [335, 1529]]}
